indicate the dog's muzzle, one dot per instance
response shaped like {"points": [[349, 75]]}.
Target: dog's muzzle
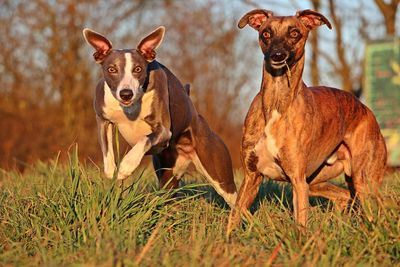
{"points": [[126, 94], [278, 58]]}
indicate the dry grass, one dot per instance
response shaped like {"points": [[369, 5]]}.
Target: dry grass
{"points": [[69, 215]]}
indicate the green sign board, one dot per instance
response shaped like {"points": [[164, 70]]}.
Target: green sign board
{"points": [[382, 91]]}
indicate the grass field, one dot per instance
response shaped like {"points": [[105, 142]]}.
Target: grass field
{"points": [[69, 215]]}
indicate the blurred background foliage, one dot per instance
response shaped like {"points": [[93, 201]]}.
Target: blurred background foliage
{"points": [[47, 74]]}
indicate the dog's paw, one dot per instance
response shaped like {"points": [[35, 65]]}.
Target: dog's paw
{"points": [[124, 171], [233, 222], [109, 174], [122, 175], [109, 170]]}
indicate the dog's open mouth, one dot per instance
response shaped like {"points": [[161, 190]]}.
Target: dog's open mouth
{"points": [[126, 103], [279, 64]]}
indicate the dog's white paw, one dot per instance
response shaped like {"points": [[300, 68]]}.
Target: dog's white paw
{"points": [[109, 165], [127, 169], [123, 174], [132, 160], [109, 170], [109, 174]]}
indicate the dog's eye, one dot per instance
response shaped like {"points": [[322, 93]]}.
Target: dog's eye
{"points": [[266, 35], [137, 69], [294, 34], [112, 70]]}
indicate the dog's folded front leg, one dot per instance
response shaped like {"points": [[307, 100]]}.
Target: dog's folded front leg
{"points": [[132, 160], [105, 132]]}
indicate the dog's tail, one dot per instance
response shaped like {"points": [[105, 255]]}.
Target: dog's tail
{"points": [[187, 88]]}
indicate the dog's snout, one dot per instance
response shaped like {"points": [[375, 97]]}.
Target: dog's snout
{"points": [[126, 94], [279, 55]]}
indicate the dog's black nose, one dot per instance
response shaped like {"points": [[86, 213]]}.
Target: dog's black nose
{"points": [[126, 94], [278, 56]]}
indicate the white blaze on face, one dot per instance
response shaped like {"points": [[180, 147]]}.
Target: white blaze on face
{"points": [[128, 81]]}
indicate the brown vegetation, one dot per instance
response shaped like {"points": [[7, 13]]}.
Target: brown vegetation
{"points": [[47, 74]]}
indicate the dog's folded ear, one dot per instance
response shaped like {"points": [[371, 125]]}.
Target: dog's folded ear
{"points": [[150, 43], [255, 18], [99, 42], [312, 19]]}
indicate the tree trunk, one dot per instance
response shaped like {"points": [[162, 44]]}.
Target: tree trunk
{"points": [[314, 49], [388, 11], [343, 65]]}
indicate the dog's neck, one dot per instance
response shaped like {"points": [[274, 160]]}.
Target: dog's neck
{"points": [[278, 92], [150, 67]]}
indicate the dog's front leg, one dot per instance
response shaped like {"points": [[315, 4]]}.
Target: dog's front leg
{"points": [[105, 132], [132, 160], [300, 199]]}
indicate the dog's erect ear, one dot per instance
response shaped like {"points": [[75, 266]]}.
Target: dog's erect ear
{"points": [[312, 19], [150, 43], [99, 42], [255, 18]]}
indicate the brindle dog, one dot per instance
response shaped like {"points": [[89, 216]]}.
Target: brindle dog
{"points": [[304, 135]]}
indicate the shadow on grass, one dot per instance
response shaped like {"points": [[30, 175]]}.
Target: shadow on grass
{"points": [[270, 191], [281, 194], [202, 191]]}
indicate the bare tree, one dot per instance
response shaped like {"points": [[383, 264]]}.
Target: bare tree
{"points": [[205, 51], [48, 74], [388, 10], [341, 65], [47, 81], [314, 38]]}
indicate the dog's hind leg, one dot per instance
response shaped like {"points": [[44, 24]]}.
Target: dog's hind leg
{"points": [[364, 182], [212, 159], [163, 165], [172, 162], [340, 196], [368, 159], [320, 187], [366, 177]]}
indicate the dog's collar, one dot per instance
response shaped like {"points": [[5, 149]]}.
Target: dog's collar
{"points": [[151, 66]]}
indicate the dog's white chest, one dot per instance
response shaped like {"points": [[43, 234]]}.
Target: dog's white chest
{"points": [[134, 128], [271, 142], [267, 150]]}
